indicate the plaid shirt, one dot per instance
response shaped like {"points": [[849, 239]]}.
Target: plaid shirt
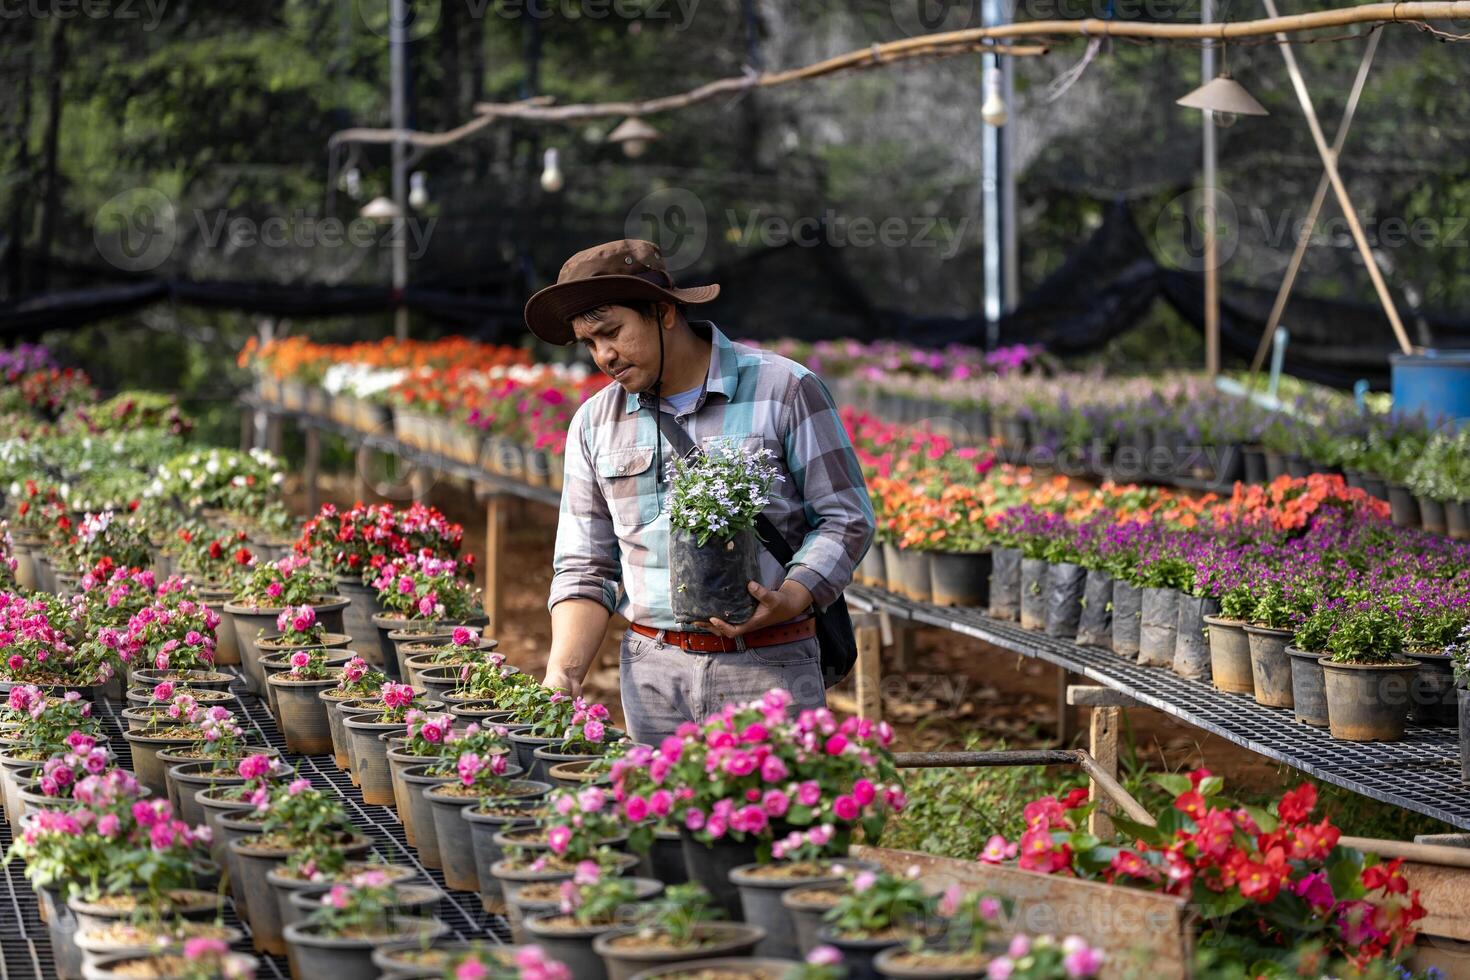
{"points": [[612, 539]]}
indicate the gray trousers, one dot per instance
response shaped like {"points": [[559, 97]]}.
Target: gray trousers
{"points": [[663, 686]]}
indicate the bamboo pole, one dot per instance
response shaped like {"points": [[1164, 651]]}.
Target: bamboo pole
{"points": [[1323, 185], [944, 44]]}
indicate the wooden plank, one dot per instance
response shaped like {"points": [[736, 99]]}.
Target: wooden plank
{"points": [[495, 535], [1066, 716], [1096, 696], [1103, 745], [869, 670], [1145, 934]]}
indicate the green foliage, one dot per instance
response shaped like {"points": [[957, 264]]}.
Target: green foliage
{"points": [[1442, 471], [678, 913], [878, 901], [1367, 636]]}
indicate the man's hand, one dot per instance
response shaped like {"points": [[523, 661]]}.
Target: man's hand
{"points": [[789, 601], [562, 679]]}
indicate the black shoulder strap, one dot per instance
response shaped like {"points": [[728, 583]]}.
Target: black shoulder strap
{"points": [[684, 446]]}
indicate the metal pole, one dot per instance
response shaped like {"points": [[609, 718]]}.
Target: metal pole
{"points": [[1212, 272], [397, 56], [992, 178]]}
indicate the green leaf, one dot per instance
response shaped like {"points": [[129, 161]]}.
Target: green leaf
{"points": [[1264, 818], [1172, 783]]}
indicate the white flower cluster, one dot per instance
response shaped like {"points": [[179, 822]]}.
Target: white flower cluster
{"points": [[720, 492]]}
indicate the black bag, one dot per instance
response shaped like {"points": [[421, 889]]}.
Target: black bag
{"points": [[835, 638]]}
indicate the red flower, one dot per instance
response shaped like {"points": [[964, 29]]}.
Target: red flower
{"points": [[1191, 804], [1075, 798], [1298, 804]]}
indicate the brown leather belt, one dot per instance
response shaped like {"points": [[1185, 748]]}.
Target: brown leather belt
{"points": [[766, 636]]}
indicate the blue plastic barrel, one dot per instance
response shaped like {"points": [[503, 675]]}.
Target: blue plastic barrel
{"points": [[1436, 382]]}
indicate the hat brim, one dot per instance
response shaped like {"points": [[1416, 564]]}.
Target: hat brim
{"points": [[548, 311]]}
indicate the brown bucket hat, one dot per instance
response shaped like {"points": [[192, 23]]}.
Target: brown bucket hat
{"points": [[628, 269]]}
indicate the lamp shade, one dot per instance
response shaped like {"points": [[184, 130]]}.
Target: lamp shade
{"points": [[1224, 94], [381, 209]]}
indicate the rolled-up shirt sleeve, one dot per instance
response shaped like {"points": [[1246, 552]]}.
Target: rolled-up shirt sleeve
{"points": [[834, 495], [585, 564]]}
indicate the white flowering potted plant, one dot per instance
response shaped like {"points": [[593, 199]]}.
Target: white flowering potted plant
{"points": [[714, 553]]}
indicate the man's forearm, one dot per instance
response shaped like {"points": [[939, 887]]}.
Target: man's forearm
{"points": [[577, 629]]}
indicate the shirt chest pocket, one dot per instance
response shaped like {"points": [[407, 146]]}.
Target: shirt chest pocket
{"points": [[628, 485]]}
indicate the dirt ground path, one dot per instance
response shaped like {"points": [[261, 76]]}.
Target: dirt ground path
{"points": [[951, 689]]}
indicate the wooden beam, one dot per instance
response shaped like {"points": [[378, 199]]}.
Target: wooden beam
{"points": [[869, 669], [1102, 742], [495, 540]]}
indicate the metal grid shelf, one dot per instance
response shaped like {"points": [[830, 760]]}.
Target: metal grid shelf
{"points": [[25, 949], [1420, 773], [418, 457]]}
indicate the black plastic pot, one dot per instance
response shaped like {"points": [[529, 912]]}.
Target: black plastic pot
{"points": [[1368, 702], [1275, 465], [1158, 627], [1270, 666], [1432, 692], [1033, 593], [1005, 583], [710, 865], [1431, 514], [713, 580], [1191, 647], [760, 900], [1066, 583], [1464, 698], [713, 940], [1095, 625], [914, 578], [960, 578], [1254, 464], [1230, 656], [1457, 519], [1127, 618], [872, 570], [1403, 505], [484, 829], [858, 953], [1375, 485], [1308, 687]]}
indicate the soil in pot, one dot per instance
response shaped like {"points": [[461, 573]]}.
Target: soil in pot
{"points": [[762, 885], [1127, 618], [903, 964], [628, 951], [158, 966], [724, 968], [1270, 666], [1308, 687], [410, 897], [544, 898], [1230, 656], [1368, 702], [118, 938], [1005, 584]]}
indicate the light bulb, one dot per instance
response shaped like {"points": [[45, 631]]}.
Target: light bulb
{"points": [[634, 149], [551, 178], [418, 190], [994, 110]]}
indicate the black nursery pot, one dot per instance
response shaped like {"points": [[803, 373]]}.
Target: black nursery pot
{"points": [[1005, 583], [1308, 688], [1158, 627], [1066, 583], [1464, 709], [1127, 618], [960, 578], [1191, 647], [1033, 593], [1095, 625], [1403, 505], [713, 580], [1432, 698]]}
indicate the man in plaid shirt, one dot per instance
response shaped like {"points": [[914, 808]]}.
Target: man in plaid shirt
{"points": [[612, 544]]}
